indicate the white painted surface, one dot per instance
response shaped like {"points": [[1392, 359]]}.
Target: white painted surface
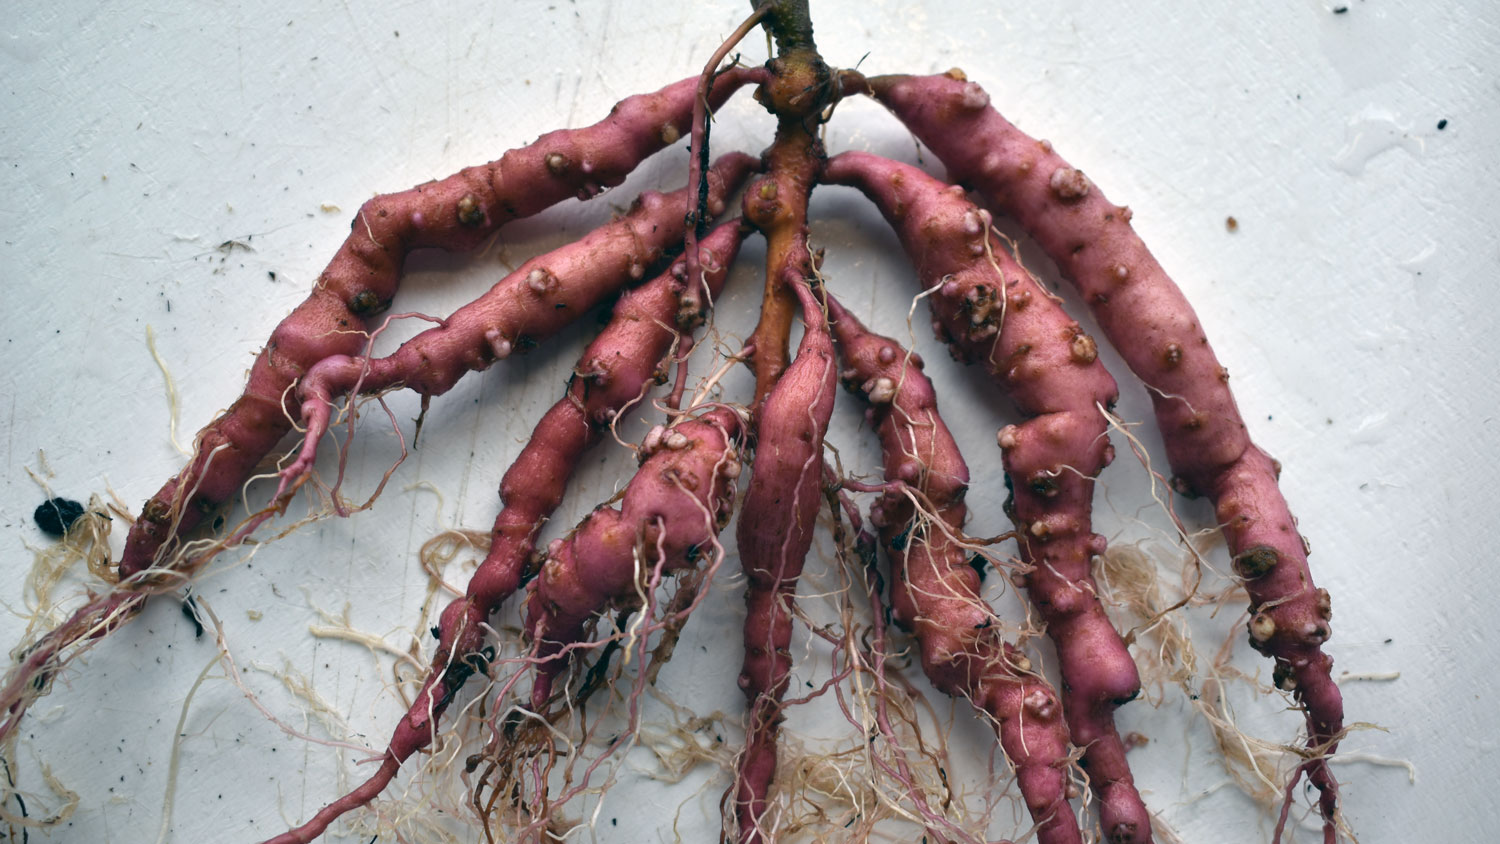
{"points": [[1353, 306]]}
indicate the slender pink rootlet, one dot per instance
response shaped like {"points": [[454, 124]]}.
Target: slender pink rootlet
{"points": [[934, 590], [989, 309], [547, 293], [673, 509], [615, 372], [774, 534], [455, 213], [1150, 322]]}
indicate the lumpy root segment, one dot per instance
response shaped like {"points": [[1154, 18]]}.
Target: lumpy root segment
{"points": [[616, 371], [1146, 317], [456, 213], [669, 519], [1149, 321], [987, 308], [540, 298], [774, 535], [934, 589]]}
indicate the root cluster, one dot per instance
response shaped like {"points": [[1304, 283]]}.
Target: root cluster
{"points": [[864, 590]]}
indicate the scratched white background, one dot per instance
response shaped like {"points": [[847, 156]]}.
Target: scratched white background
{"points": [[1353, 307]]}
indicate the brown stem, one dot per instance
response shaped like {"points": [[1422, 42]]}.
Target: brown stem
{"points": [[790, 23], [800, 90], [776, 204]]}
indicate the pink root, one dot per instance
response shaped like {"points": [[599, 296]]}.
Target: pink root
{"points": [[621, 363], [457, 213], [934, 590], [990, 309], [774, 535], [534, 302], [672, 511], [1146, 317]]}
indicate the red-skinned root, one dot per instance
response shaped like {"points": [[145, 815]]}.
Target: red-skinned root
{"points": [[540, 298], [456, 213], [672, 512], [934, 590], [1146, 317], [774, 534], [988, 308], [615, 371]]}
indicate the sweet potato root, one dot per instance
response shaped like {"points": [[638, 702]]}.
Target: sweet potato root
{"points": [[989, 309], [1150, 322], [615, 372], [672, 511], [456, 213], [443, 440], [934, 590]]}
